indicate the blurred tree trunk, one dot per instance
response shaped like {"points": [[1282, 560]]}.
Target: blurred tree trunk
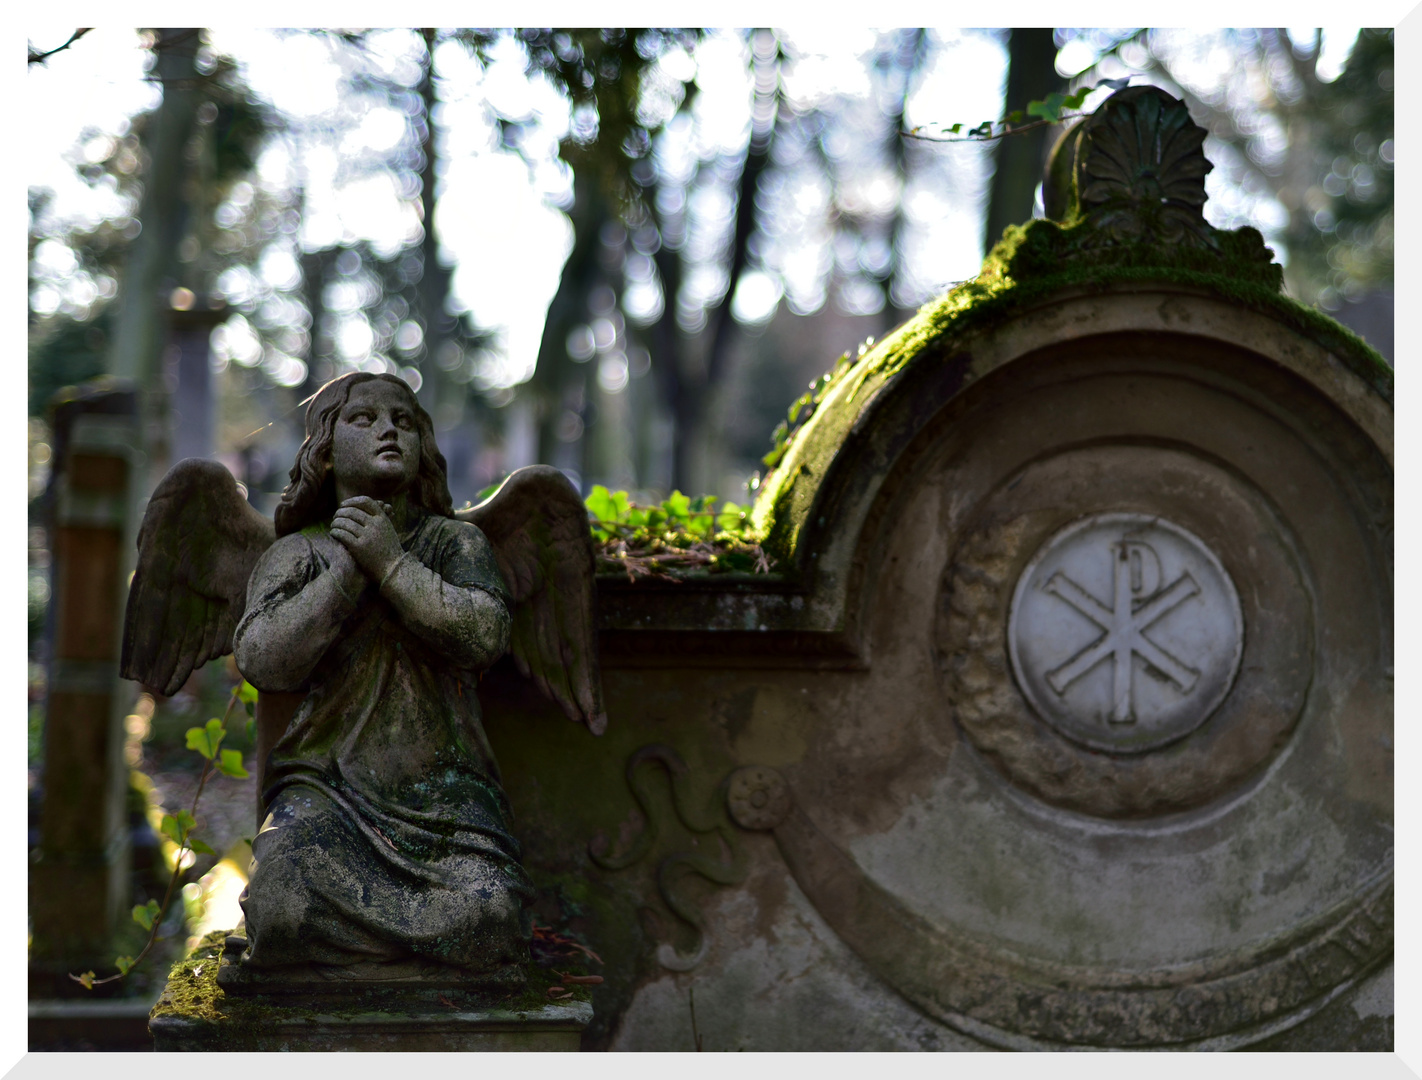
{"points": [[1031, 76], [909, 58], [141, 320], [440, 325], [313, 276], [555, 375], [690, 369]]}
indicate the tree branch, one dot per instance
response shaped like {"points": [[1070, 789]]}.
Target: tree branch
{"points": [[1015, 130], [41, 57]]}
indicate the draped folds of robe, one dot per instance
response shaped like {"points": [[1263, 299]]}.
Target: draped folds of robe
{"points": [[386, 852]]}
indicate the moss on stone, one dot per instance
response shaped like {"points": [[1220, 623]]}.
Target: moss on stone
{"points": [[192, 994], [195, 996], [1030, 264]]}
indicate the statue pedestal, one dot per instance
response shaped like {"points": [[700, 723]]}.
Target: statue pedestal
{"points": [[194, 1013]]}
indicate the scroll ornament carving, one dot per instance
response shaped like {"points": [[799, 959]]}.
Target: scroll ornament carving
{"points": [[711, 822], [1013, 1001]]}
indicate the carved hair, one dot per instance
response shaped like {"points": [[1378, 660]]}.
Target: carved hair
{"points": [[311, 495]]}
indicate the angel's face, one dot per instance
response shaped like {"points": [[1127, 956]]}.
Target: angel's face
{"points": [[375, 449]]}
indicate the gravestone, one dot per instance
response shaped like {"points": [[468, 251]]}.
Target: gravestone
{"points": [[79, 877], [1065, 718]]}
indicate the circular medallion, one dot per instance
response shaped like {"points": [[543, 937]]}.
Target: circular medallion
{"points": [[757, 797], [1125, 632], [1116, 662]]}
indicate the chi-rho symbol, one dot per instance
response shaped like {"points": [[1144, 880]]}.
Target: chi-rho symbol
{"points": [[1125, 631]]}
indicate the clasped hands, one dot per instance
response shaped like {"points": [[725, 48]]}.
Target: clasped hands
{"points": [[364, 529]]}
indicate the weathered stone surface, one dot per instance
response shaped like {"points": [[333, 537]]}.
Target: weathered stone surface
{"points": [[194, 1014], [365, 616], [1195, 851], [1017, 887]]}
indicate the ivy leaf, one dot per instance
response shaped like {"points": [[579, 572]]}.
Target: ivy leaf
{"points": [[955, 129], [230, 764], [176, 827], [773, 458], [200, 848], [1114, 84], [251, 729], [246, 693], [677, 506], [144, 914], [600, 504], [729, 517], [86, 980], [1049, 108], [1076, 100], [1015, 117], [124, 964], [206, 740]]}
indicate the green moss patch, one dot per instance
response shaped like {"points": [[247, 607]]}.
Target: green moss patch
{"points": [[1031, 263], [192, 994]]}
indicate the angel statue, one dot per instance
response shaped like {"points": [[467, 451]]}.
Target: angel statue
{"points": [[364, 615]]}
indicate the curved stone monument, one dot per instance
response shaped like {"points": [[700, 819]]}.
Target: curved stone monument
{"points": [[1067, 721]]}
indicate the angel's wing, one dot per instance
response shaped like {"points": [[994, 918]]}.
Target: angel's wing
{"points": [[539, 530], [196, 548]]}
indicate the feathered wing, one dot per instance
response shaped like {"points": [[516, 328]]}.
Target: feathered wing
{"points": [[196, 549], [539, 531]]}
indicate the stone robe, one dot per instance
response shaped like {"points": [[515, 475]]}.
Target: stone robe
{"points": [[385, 854]]}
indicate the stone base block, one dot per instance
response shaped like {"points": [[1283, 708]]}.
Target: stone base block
{"points": [[552, 1027], [194, 1013]]}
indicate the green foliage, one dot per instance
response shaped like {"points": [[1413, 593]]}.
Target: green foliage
{"points": [[230, 764], [677, 520], [64, 353], [602, 72], [206, 740], [803, 407], [678, 533], [145, 914], [1052, 109], [178, 827]]}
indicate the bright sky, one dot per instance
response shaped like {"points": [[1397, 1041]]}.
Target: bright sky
{"points": [[498, 219]]}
